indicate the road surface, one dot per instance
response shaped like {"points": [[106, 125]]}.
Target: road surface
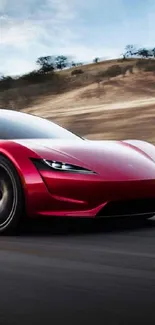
{"points": [[79, 273]]}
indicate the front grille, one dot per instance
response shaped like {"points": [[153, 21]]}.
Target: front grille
{"points": [[128, 207]]}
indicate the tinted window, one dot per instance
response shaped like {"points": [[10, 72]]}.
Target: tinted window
{"points": [[14, 125]]}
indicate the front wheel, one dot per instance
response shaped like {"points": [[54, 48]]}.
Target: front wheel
{"points": [[11, 196]]}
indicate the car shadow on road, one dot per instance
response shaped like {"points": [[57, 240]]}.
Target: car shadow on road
{"points": [[68, 227]]}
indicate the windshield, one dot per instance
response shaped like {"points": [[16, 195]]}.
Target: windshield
{"points": [[24, 126]]}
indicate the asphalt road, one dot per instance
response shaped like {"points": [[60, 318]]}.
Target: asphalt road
{"points": [[79, 273]]}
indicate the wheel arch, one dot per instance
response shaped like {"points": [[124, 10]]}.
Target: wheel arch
{"points": [[20, 176], [15, 216], [147, 147], [31, 181], [18, 155], [5, 153]]}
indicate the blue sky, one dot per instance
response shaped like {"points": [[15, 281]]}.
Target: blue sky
{"points": [[84, 30]]}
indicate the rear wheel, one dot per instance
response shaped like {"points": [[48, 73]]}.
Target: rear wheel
{"points": [[11, 197]]}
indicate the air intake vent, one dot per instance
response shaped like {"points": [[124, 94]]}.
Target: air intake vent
{"points": [[128, 207]]}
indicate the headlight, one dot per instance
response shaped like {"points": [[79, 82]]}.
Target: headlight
{"points": [[61, 166]]}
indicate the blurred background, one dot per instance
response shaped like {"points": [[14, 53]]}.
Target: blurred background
{"points": [[89, 67]]}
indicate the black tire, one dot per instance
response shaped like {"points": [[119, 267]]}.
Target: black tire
{"points": [[11, 197]]}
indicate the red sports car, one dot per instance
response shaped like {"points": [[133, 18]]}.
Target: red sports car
{"points": [[46, 170]]}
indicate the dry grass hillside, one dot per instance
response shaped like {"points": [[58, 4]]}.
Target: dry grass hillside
{"points": [[108, 100]]}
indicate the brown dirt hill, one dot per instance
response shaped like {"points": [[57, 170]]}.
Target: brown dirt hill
{"points": [[95, 104]]}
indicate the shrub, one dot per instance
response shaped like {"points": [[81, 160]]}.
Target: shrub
{"points": [[126, 68], [33, 77], [77, 72], [150, 66], [113, 71], [146, 65], [6, 82]]}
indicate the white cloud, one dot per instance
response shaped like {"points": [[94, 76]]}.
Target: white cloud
{"points": [[32, 28], [32, 21], [84, 54], [17, 66], [18, 35]]}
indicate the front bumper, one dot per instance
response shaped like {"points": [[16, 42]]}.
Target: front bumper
{"points": [[90, 196]]}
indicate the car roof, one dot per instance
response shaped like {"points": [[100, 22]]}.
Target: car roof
{"points": [[9, 113]]}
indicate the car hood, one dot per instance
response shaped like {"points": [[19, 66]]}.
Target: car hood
{"points": [[111, 159]]}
